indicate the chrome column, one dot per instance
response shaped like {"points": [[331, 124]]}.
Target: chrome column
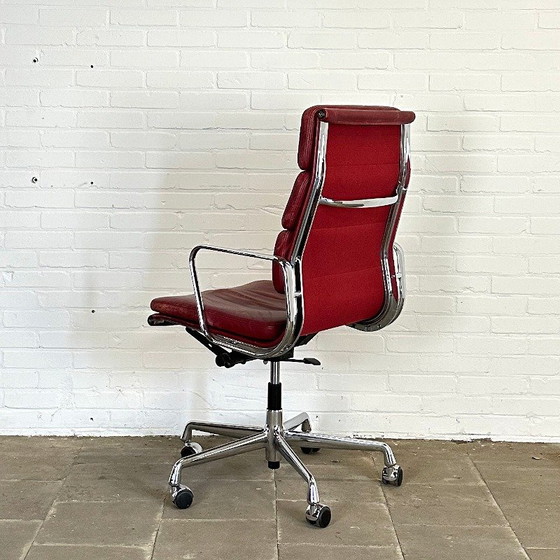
{"points": [[275, 373], [273, 414]]}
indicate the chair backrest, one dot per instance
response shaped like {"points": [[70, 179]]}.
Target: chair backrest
{"points": [[347, 153]]}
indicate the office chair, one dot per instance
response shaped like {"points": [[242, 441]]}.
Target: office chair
{"points": [[335, 263]]}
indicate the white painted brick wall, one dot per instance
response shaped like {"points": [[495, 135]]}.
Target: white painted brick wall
{"points": [[154, 125]]}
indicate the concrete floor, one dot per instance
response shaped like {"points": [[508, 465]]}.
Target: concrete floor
{"points": [[106, 499]]}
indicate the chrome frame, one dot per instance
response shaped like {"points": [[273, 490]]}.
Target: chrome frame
{"points": [[394, 301], [360, 203], [291, 270]]}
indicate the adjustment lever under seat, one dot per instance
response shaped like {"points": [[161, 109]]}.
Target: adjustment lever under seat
{"points": [[311, 361]]}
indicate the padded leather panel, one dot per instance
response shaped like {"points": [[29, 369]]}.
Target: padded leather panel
{"points": [[254, 312], [362, 162], [306, 149], [341, 261], [297, 201], [364, 116], [341, 306]]}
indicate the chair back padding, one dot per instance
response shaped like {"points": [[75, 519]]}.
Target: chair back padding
{"points": [[342, 274]]}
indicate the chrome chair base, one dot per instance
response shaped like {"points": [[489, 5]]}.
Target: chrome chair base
{"points": [[276, 438]]}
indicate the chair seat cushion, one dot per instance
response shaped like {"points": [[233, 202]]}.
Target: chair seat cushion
{"points": [[254, 312]]}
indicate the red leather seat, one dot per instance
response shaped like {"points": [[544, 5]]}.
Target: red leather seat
{"points": [[254, 312]]}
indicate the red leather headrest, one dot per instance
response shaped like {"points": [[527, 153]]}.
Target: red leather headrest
{"points": [[343, 114]]}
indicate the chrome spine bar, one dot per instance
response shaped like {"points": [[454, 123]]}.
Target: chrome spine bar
{"points": [[360, 203], [318, 181], [393, 303]]}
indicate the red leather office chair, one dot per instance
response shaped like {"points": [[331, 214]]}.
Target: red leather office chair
{"points": [[335, 263]]}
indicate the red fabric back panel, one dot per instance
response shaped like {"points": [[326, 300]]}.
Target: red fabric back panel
{"points": [[342, 274], [362, 162]]}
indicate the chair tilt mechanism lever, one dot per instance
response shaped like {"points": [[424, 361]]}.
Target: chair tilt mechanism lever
{"points": [[309, 361]]}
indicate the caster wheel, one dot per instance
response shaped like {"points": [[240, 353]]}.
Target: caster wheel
{"points": [[318, 515], [310, 450], [191, 449], [392, 475], [183, 497]]}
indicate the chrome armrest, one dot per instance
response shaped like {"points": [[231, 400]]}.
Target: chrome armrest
{"points": [[286, 266], [360, 203]]}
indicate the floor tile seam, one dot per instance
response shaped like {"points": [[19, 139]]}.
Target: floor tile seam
{"points": [[459, 526], [546, 461], [15, 520], [393, 526], [294, 500], [38, 525], [546, 502], [50, 512], [34, 519], [120, 501], [230, 480], [90, 545], [32, 479], [537, 465], [29, 544], [468, 525], [152, 549], [342, 547], [55, 449], [123, 461], [325, 498], [521, 547], [444, 483], [511, 483], [215, 519], [32, 540], [322, 478], [549, 499], [517, 483]]}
